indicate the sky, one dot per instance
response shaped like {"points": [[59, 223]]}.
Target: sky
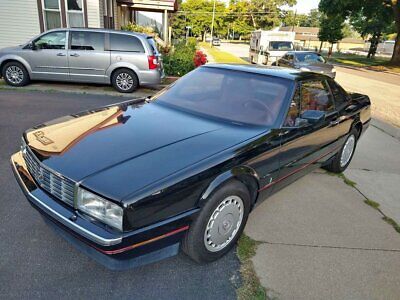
{"points": [[304, 6]]}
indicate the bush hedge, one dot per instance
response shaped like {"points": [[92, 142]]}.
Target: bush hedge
{"points": [[180, 59]]}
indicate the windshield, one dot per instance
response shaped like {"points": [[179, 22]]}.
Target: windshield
{"points": [[309, 57], [236, 96], [280, 46]]}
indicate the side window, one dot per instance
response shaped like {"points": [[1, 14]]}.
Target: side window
{"points": [[85, 40], [126, 43], [294, 111], [339, 94], [315, 95], [290, 57], [52, 40]]}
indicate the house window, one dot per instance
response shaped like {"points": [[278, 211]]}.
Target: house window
{"points": [[52, 14], [75, 13]]}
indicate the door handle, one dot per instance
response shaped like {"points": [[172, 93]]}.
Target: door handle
{"points": [[74, 55], [60, 54]]}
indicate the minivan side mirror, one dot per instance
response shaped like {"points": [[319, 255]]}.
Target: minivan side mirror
{"points": [[313, 116], [31, 45]]}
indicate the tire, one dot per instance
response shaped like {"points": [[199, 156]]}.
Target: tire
{"points": [[341, 160], [15, 74], [125, 80], [203, 242], [274, 64]]}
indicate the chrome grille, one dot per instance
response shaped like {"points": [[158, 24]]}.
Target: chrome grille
{"points": [[59, 186]]}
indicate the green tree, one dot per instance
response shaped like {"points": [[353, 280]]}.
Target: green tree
{"points": [[198, 15], [373, 24], [368, 9], [313, 18], [331, 30]]}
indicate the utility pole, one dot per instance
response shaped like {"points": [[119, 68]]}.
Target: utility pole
{"points": [[212, 24]]}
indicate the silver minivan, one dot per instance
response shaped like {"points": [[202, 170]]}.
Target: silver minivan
{"points": [[121, 58]]}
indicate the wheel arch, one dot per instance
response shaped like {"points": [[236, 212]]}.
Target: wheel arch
{"points": [[244, 174], [357, 125], [12, 58]]}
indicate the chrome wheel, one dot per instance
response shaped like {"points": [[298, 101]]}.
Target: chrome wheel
{"points": [[347, 151], [124, 81], [224, 224], [14, 74]]}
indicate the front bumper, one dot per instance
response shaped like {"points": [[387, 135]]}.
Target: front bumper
{"points": [[115, 250]]}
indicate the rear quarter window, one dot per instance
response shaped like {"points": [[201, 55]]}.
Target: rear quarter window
{"points": [[339, 94], [125, 43]]}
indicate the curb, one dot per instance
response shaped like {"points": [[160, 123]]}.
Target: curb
{"points": [[389, 129]]}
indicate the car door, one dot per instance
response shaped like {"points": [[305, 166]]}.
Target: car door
{"points": [[48, 56], [87, 58], [309, 134]]}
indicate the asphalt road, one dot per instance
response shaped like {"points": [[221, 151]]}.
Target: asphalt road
{"points": [[37, 263]]}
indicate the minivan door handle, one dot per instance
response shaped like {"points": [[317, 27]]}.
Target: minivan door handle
{"points": [[60, 54], [74, 55]]}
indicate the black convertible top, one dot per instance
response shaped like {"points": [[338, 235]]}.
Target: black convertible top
{"points": [[291, 74]]}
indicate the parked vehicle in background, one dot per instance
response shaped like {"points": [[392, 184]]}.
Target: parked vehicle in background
{"points": [[307, 61], [124, 59], [128, 183], [216, 42], [268, 46]]}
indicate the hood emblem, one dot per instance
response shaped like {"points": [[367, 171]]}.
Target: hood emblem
{"points": [[42, 138]]}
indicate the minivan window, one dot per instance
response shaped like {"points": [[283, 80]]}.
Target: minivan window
{"points": [[52, 40], [126, 43], [86, 40]]}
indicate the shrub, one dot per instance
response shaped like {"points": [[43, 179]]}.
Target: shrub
{"points": [[138, 28], [179, 60]]}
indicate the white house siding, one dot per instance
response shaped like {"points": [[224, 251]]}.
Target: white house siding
{"points": [[93, 13], [19, 21]]}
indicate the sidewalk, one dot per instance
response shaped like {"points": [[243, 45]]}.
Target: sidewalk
{"points": [[328, 243]]}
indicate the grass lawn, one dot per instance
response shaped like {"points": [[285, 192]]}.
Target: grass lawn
{"points": [[222, 56], [378, 63]]}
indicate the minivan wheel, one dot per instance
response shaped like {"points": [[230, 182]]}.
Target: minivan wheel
{"points": [[125, 81], [219, 224], [15, 74], [342, 159]]}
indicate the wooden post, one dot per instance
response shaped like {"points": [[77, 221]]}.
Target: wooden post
{"points": [[165, 27]]}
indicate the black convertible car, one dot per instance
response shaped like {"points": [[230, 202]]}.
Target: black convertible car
{"points": [[129, 183]]}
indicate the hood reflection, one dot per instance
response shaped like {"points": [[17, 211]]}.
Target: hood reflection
{"points": [[58, 136]]}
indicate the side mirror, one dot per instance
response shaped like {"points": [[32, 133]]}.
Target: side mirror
{"points": [[32, 46], [313, 116]]}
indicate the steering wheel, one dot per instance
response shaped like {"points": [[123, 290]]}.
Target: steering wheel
{"points": [[262, 106]]}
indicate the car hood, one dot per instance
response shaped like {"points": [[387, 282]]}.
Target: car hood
{"points": [[316, 66], [118, 149], [9, 49]]}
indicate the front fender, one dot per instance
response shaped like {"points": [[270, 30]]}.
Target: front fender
{"points": [[14, 57], [244, 174], [127, 65]]}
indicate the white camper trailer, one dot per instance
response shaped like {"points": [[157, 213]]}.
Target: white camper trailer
{"points": [[269, 46]]}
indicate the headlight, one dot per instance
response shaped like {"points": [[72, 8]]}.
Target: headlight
{"points": [[333, 70], [304, 69], [100, 208]]}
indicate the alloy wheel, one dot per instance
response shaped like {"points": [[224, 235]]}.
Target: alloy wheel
{"points": [[124, 81], [14, 74]]}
